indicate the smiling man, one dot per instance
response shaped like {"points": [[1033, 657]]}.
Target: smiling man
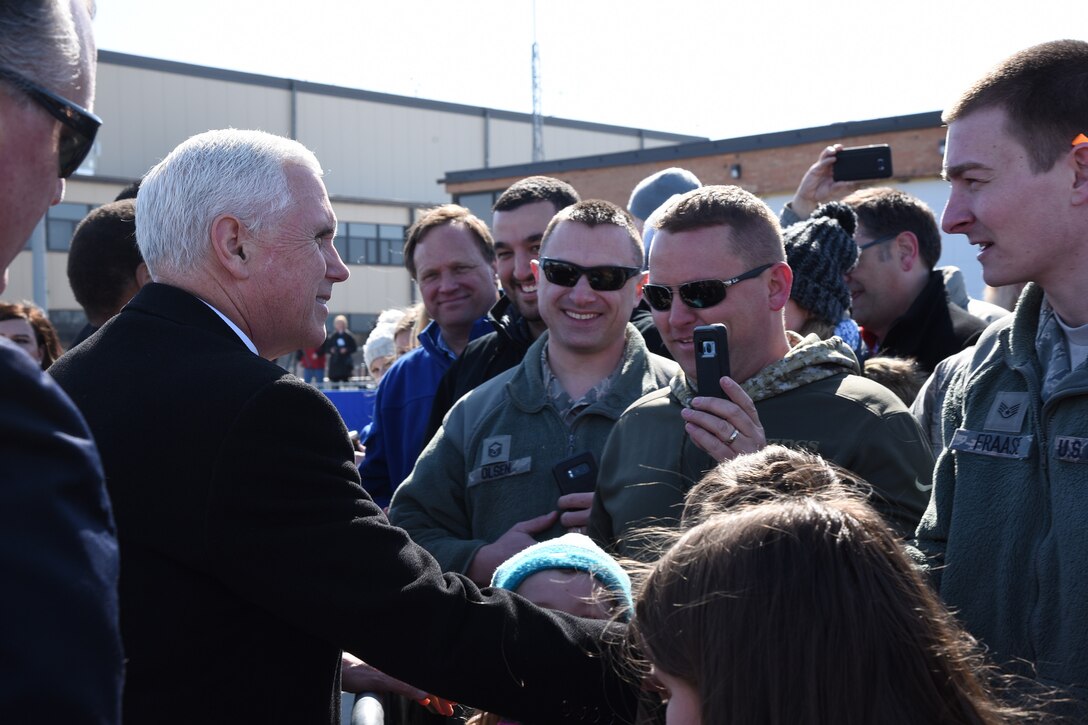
{"points": [[484, 488], [252, 557], [1005, 528], [520, 216], [718, 256], [450, 254]]}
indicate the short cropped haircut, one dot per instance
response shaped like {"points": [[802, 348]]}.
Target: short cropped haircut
{"points": [[1043, 91], [597, 212], [216, 173], [103, 258], [883, 211], [441, 216], [532, 189], [756, 233]]}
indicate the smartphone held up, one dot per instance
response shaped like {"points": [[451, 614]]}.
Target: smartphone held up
{"points": [[711, 359]]}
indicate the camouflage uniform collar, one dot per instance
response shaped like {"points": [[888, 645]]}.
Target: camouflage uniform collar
{"points": [[809, 360]]}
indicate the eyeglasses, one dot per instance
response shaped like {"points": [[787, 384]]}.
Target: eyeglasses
{"points": [[698, 295], [80, 125], [878, 240], [606, 278]]}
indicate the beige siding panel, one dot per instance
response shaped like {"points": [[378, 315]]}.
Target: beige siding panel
{"points": [[511, 142], [372, 289], [21, 280], [373, 213], [56, 282], [568, 143], [390, 152], [147, 113]]}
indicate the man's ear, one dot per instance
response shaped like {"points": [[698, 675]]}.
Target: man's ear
{"points": [[779, 284], [905, 248], [143, 275], [231, 244], [1079, 161], [535, 266]]}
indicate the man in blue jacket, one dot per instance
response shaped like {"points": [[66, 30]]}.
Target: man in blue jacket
{"points": [[451, 256]]}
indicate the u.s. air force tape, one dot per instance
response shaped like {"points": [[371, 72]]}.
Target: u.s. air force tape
{"points": [[1070, 449]]}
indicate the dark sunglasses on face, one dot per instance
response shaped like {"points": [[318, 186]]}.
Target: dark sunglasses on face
{"points": [[606, 278], [80, 125], [699, 294]]}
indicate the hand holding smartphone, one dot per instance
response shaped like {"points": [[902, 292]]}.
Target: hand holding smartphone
{"points": [[863, 162], [711, 359]]}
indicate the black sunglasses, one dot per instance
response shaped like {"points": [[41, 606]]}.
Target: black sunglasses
{"points": [[698, 295], [80, 125], [606, 278], [878, 240]]}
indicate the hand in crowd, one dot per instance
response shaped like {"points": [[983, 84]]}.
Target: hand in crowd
{"points": [[357, 676], [725, 428], [818, 186], [520, 536], [575, 508]]}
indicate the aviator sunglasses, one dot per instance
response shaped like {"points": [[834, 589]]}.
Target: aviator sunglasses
{"points": [[698, 295], [606, 278], [80, 125]]}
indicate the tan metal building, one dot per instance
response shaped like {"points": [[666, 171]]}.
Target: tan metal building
{"points": [[384, 156], [769, 165]]}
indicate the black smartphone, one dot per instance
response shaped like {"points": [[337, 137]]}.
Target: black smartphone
{"points": [[711, 359], [863, 162], [577, 474]]}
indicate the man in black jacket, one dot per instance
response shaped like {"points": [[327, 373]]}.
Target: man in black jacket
{"points": [[252, 554], [898, 299]]}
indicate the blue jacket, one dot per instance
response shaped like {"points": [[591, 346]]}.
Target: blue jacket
{"points": [[401, 410]]}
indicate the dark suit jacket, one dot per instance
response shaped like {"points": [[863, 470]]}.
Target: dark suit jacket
{"points": [[251, 554], [933, 328], [60, 643]]}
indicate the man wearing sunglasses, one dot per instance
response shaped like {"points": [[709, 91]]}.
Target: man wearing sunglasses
{"points": [[485, 487], [59, 636], [718, 257]]}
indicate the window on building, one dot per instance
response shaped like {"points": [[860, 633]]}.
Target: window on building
{"points": [[60, 225], [380, 244], [479, 204]]}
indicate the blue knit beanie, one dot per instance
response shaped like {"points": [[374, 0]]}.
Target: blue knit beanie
{"points": [[654, 190], [570, 551]]}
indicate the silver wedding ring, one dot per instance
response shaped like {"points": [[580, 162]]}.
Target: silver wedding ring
{"points": [[736, 432]]}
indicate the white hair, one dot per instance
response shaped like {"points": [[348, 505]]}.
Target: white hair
{"points": [[216, 173], [39, 41]]}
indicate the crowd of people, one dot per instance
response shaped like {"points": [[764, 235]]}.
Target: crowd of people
{"points": [[878, 519]]}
